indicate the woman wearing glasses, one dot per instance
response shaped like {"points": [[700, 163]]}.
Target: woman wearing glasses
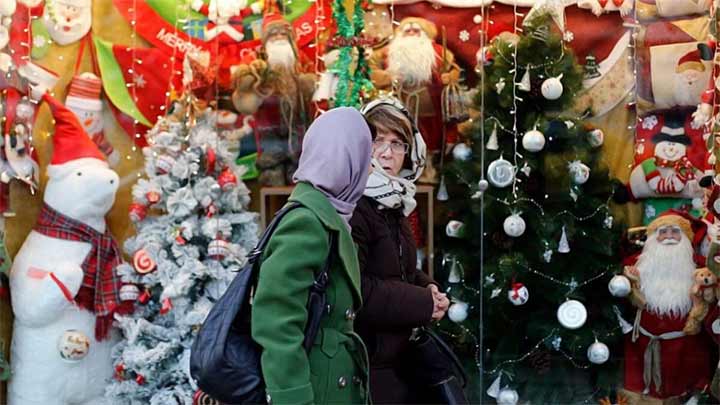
{"points": [[396, 296]]}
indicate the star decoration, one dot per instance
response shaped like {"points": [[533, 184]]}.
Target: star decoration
{"points": [[568, 36], [139, 81], [489, 280], [569, 124], [555, 8], [464, 36], [573, 284]]}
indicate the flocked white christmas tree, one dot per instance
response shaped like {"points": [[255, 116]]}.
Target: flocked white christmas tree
{"points": [[193, 233]]}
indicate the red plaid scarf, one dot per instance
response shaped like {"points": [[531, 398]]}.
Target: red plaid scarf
{"points": [[100, 289]]}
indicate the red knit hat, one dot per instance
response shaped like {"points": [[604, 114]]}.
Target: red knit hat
{"points": [[84, 92], [70, 141]]}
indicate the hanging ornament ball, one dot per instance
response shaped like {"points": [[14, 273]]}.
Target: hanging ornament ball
{"points": [[461, 152], [552, 88], [227, 179], [518, 294], [572, 314], [483, 185], [129, 292], [164, 164], [477, 18], [596, 138], [514, 225], [142, 262], [579, 172], [619, 286], [507, 396], [598, 353], [501, 173], [458, 311], [73, 345], [138, 212], [218, 249], [455, 229], [533, 141]]}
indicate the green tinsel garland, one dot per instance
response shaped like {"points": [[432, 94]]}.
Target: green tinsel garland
{"points": [[361, 78]]}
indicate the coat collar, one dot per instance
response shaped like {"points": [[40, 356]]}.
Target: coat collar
{"points": [[316, 202]]}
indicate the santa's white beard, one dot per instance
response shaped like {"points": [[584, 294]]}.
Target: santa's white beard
{"points": [[688, 92], [280, 54], [411, 59], [666, 276]]}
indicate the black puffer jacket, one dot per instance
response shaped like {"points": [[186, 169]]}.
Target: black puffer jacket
{"points": [[395, 297]]}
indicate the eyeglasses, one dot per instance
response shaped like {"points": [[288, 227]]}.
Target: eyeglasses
{"points": [[395, 147]]}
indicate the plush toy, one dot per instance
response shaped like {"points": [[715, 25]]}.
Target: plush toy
{"points": [[63, 283], [704, 292]]}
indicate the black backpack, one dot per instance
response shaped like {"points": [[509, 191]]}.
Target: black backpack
{"points": [[224, 360]]}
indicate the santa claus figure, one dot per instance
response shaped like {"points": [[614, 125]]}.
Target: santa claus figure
{"points": [[67, 21], [412, 65], [285, 112], [663, 363], [669, 172]]}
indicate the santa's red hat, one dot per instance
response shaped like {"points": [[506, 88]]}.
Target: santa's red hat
{"points": [[273, 21], [70, 141], [690, 60]]}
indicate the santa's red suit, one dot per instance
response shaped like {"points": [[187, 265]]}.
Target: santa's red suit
{"points": [[663, 362]]}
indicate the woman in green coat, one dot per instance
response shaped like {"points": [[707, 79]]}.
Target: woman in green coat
{"points": [[330, 179]]}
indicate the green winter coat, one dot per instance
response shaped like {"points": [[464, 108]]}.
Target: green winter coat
{"points": [[335, 371]]}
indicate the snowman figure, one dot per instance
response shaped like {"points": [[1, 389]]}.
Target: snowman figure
{"points": [[63, 286], [669, 173]]}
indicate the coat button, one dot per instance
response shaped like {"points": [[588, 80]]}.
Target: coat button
{"points": [[342, 382], [356, 380], [349, 314]]}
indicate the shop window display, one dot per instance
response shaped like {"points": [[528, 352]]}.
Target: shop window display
{"points": [[568, 204]]}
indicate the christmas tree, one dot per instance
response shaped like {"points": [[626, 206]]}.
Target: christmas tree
{"points": [[531, 243], [193, 233]]}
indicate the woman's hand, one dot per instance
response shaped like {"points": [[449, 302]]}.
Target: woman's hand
{"points": [[440, 303]]}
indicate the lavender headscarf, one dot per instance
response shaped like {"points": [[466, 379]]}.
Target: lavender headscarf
{"points": [[336, 157]]}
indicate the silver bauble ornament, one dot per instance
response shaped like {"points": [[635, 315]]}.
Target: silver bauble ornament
{"points": [[461, 152], [552, 88], [514, 225], [533, 140], [598, 353], [619, 286], [508, 396]]}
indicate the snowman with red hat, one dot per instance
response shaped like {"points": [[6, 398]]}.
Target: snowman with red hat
{"points": [[63, 283]]}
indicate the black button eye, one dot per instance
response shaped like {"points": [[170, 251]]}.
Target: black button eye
{"points": [[79, 173]]}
